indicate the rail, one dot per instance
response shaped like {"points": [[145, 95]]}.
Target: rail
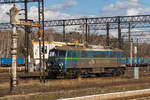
{"points": [[115, 96]]}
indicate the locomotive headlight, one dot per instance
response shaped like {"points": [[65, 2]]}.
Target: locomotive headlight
{"points": [[61, 64], [49, 64]]}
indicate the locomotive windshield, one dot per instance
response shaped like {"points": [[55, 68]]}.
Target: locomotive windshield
{"points": [[57, 53], [51, 53]]}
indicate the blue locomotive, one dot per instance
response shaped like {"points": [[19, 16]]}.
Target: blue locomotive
{"points": [[77, 61]]}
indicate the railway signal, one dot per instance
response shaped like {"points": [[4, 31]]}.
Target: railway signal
{"points": [[14, 21], [14, 15], [40, 21]]}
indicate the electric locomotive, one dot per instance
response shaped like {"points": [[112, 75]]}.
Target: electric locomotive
{"points": [[80, 61]]}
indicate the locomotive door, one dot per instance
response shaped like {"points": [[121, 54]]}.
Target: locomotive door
{"points": [[72, 59], [119, 58]]}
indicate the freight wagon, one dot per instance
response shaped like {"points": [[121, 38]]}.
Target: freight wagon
{"points": [[140, 61], [8, 61]]}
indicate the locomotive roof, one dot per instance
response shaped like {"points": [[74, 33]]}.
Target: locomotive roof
{"points": [[85, 48]]}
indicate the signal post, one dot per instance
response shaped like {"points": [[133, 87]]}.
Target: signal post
{"points": [[14, 21]]}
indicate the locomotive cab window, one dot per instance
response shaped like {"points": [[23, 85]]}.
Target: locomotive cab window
{"points": [[99, 54], [62, 53], [113, 54], [51, 53]]}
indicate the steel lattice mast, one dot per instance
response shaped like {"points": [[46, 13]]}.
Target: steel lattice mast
{"points": [[98, 23], [40, 20]]}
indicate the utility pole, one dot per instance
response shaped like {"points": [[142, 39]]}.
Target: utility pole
{"points": [[14, 21], [136, 68], [131, 52], [89, 35], [119, 34], [107, 38], [26, 36], [64, 33], [129, 31], [86, 30]]}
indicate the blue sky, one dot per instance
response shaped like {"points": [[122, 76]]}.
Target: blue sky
{"points": [[64, 9], [95, 7], [83, 7]]}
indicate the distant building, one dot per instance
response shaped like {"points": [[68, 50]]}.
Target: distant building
{"points": [[36, 53], [48, 46]]}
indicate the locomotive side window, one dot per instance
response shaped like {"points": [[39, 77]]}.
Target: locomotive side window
{"points": [[69, 54], [56, 53], [99, 54], [62, 53], [74, 54], [103, 54], [96, 54], [109, 53], [112, 54], [84, 54]]}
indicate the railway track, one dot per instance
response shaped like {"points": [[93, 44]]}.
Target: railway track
{"points": [[5, 76], [57, 85], [126, 95]]}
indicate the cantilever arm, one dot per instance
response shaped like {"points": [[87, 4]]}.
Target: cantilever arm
{"points": [[30, 24], [33, 25]]}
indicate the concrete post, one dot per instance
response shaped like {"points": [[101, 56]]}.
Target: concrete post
{"points": [[135, 69], [29, 58], [135, 54], [14, 20], [14, 58], [131, 52]]}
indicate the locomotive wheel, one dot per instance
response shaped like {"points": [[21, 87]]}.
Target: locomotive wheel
{"points": [[98, 75], [115, 73], [122, 72], [84, 75], [119, 73]]}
